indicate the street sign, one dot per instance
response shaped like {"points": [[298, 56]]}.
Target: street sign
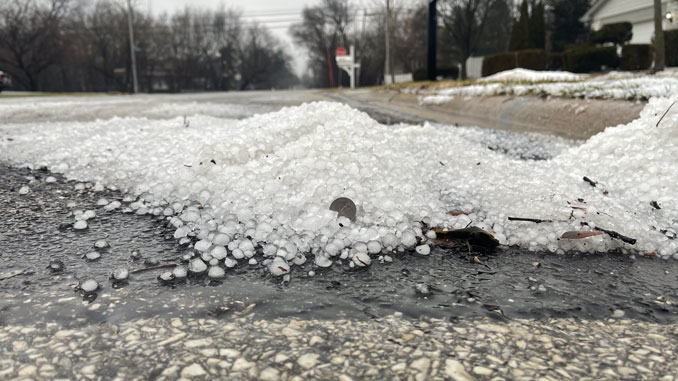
{"points": [[341, 51]]}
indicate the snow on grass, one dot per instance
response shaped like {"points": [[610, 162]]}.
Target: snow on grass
{"points": [[532, 76], [272, 178], [71, 108], [614, 85]]}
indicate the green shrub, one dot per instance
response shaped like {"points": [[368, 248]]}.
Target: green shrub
{"points": [[637, 57], [671, 47], [585, 59], [616, 33], [534, 59]]}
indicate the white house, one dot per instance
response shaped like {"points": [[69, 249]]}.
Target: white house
{"points": [[640, 13]]}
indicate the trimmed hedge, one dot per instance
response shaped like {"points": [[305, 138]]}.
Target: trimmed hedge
{"points": [[534, 59], [637, 57], [494, 63], [447, 72], [554, 61], [616, 33], [420, 75], [671, 47], [585, 59]]}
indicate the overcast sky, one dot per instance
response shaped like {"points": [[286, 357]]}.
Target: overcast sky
{"points": [[277, 15]]}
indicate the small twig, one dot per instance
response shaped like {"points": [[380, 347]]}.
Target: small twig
{"points": [[169, 265], [665, 112], [12, 274], [667, 233], [614, 234], [478, 261], [535, 220], [591, 182]]}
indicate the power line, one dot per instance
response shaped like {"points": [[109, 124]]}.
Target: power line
{"points": [[296, 19]]}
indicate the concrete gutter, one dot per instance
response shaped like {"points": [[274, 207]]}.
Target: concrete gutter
{"points": [[570, 118]]}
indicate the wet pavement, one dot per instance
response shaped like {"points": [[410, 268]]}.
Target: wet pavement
{"points": [[515, 315], [37, 228]]}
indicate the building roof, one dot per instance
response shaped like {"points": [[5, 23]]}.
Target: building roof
{"points": [[588, 16], [598, 4]]}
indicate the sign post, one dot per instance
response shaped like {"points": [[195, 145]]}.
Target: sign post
{"points": [[347, 62]]}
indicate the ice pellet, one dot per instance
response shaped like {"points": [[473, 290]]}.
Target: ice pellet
{"points": [[362, 259], [89, 285], [197, 266], [80, 225], [179, 272], [216, 272], [92, 256], [423, 249], [100, 244], [278, 266], [120, 274]]}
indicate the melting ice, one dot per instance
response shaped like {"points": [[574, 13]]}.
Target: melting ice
{"points": [[259, 189]]}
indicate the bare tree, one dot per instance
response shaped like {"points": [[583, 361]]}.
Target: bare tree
{"points": [[30, 38], [45, 46], [101, 29], [464, 24], [228, 32], [323, 29], [410, 38], [263, 63]]}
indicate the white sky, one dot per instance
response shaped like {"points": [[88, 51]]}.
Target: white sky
{"points": [[277, 15]]}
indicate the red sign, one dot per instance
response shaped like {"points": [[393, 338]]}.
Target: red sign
{"points": [[341, 51]]}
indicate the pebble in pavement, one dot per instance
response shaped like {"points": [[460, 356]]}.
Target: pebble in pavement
{"points": [[246, 347]]}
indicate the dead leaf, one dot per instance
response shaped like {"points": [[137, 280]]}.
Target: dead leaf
{"points": [[579, 234], [475, 236], [458, 213]]}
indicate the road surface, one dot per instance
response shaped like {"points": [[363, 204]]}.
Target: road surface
{"points": [[510, 314]]}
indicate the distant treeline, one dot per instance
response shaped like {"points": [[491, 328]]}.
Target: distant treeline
{"points": [[83, 45], [61, 45]]}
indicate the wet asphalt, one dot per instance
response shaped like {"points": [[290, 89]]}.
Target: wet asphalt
{"points": [[37, 227]]}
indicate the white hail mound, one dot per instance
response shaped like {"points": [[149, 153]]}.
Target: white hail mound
{"points": [[262, 186]]}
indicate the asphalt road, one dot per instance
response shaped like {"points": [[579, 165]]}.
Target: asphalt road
{"points": [[515, 315]]}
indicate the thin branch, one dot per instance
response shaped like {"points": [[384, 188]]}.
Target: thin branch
{"points": [[535, 220]]}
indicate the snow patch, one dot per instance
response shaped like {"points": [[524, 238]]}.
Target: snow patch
{"points": [[526, 75]]}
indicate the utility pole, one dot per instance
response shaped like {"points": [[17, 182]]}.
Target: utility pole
{"points": [[388, 67], [432, 29], [658, 37], [132, 51]]}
